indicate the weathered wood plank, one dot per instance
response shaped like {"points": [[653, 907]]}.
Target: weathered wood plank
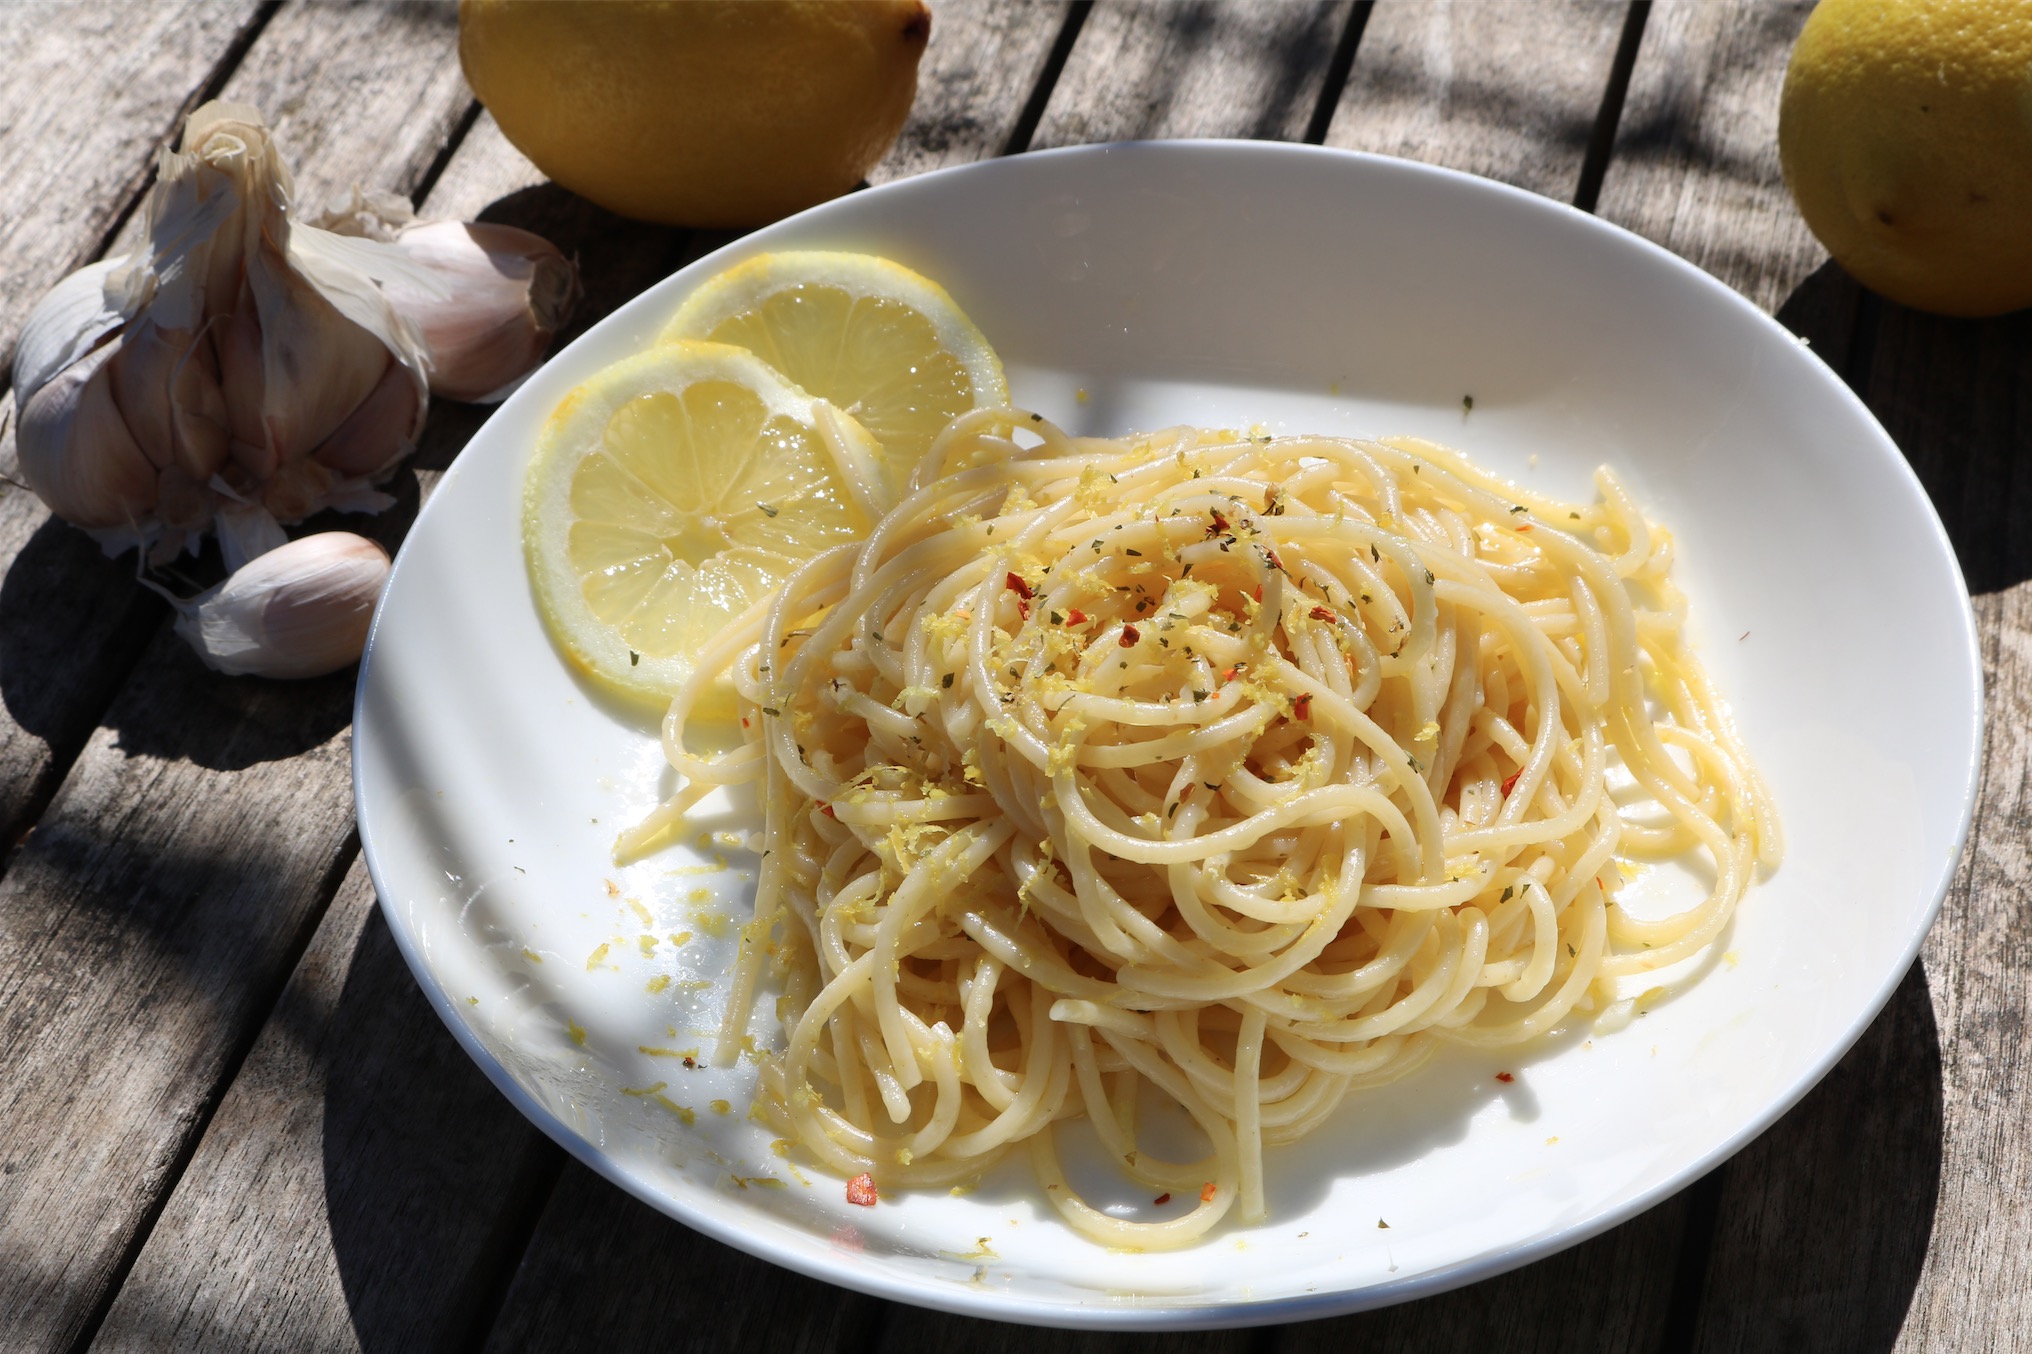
{"points": [[145, 927], [1507, 90], [1143, 69], [362, 1185], [72, 623], [1975, 1291], [977, 74], [148, 923], [1695, 165], [1609, 1294], [356, 92], [91, 89]]}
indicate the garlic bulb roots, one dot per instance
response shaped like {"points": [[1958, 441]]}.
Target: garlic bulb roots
{"points": [[300, 610], [244, 361]]}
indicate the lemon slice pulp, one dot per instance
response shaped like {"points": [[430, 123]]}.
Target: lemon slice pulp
{"points": [[671, 492], [872, 337]]}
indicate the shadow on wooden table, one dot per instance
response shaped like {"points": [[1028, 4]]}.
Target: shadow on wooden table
{"points": [[1811, 1239], [1955, 395]]}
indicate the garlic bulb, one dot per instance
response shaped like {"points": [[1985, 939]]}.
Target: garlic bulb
{"points": [[300, 610], [244, 369]]}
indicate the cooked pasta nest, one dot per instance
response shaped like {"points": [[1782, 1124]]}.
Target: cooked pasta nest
{"points": [[1244, 771]]}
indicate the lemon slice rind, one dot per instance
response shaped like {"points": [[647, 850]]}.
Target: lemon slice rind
{"points": [[578, 430], [726, 306]]}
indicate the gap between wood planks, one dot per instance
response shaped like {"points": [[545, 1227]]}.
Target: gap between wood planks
{"points": [[229, 1072]]}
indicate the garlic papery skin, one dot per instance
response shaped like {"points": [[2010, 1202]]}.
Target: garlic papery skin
{"points": [[301, 610]]}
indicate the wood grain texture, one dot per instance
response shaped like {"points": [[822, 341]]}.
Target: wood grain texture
{"points": [[605, 1272], [1145, 69], [983, 62], [1508, 89], [145, 927], [91, 90], [1975, 1292], [148, 923], [1695, 164], [364, 92], [362, 1185]]}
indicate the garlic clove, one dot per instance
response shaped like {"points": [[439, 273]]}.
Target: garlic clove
{"points": [[377, 433], [170, 397], [76, 452], [316, 364], [69, 322], [301, 610], [500, 295]]}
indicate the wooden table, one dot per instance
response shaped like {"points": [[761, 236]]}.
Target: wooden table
{"points": [[227, 1117]]}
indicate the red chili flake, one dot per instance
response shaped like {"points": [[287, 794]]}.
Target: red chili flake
{"points": [[1130, 634], [1206, 1192], [1015, 584], [1023, 608], [1220, 525], [744, 721], [1228, 674], [1320, 613], [691, 1062], [1163, 1198], [861, 1190], [1259, 592], [1524, 527], [827, 810], [1511, 783], [1301, 707], [1505, 1077], [1275, 562], [1075, 617]]}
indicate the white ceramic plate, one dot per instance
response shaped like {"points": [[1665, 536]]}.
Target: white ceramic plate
{"points": [[1142, 285]]}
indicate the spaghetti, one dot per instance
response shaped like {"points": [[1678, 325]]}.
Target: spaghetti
{"points": [[1243, 770]]}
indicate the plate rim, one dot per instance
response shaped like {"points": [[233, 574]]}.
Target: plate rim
{"points": [[1171, 1314]]}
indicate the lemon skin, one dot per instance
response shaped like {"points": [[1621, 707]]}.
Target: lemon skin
{"points": [[1905, 132], [719, 113]]}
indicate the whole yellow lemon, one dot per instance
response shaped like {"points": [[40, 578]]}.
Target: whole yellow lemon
{"points": [[697, 112], [1905, 131]]}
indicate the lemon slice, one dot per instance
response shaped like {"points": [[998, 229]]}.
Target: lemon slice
{"points": [[875, 339], [672, 491]]}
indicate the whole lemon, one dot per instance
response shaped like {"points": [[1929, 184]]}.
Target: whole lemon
{"points": [[697, 112], [1905, 131]]}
